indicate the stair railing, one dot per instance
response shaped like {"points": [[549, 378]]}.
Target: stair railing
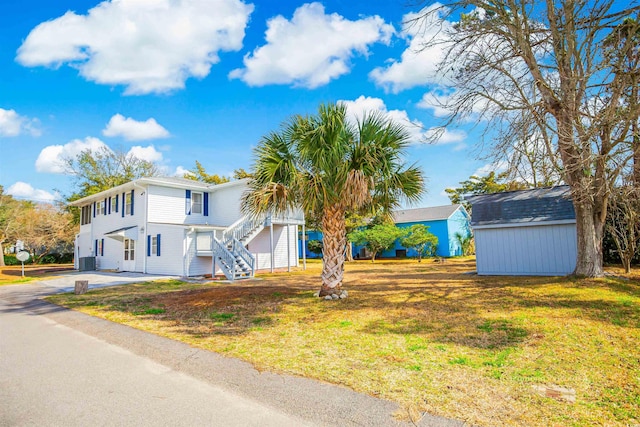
{"points": [[238, 248], [227, 260], [241, 228]]}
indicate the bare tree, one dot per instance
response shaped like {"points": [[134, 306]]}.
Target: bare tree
{"points": [[10, 209], [623, 223], [547, 61], [45, 229]]}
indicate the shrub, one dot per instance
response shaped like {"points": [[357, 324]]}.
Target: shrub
{"points": [[11, 260]]}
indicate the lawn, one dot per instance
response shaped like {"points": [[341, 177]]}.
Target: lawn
{"points": [[427, 335]]}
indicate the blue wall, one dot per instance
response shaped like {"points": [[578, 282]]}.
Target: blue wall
{"points": [[311, 235], [445, 230]]}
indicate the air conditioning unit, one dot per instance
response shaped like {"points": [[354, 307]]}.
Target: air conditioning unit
{"points": [[87, 263]]}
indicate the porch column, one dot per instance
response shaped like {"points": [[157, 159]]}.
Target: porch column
{"points": [[304, 248], [288, 248], [271, 246]]}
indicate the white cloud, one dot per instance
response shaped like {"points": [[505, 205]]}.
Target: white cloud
{"points": [[310, 49], [52, 158], [418, 64], [181, 171], [133, 130], [26, 191], [418, 133], [150, 154], [13, 124], [498, 167], [148, 46]]}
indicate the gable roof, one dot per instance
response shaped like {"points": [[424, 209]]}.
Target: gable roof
{"points": [[425, 214], [522, 206]]}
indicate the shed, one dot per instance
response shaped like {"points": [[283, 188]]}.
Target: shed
{"points": [[525, 232]]}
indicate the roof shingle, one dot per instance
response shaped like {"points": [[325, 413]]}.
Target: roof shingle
{"points": [[523, 206]]}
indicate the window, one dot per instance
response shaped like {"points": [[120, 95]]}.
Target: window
{"points": [[100, 247], [196, 203], [102, 208], [204, 242], [127, 204], [85, 215], [154, 245], [129, 249], [114, 204]]}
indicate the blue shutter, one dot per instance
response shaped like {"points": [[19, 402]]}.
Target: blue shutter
{"points": [[102, 248], [206, 204], [95, 247], [131, 202], [148, 244], [158, 245], [117, 198], [109, 205], [123, 204], [105, 205], [94, 209], [187, 202]]}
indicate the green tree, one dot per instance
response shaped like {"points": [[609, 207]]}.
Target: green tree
{"points": [[465, 240], [324, 164], [491, 183], [315, 246], [421, 240], [198, 173], [240, 173], [377, 238], [102, 169]]}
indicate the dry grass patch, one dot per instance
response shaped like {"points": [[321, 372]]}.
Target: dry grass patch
{"points": [[429, 336], [12, 274]]}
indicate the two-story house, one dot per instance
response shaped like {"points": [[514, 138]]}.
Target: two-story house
{"points": [[176, 226]]}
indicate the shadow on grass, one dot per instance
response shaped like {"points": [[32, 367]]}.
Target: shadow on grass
{"points": [[446, 307]]}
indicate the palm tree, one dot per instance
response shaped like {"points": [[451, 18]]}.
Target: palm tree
{"points": [[328, 166]]}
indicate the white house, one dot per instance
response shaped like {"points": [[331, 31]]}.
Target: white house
{"points": [[527, 232], [176, 226]]}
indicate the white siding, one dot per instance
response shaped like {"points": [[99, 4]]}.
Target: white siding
{"points": [[102, 224], [259, 247], [541, 250], [171, 259], [196, 265], [167, 205], [225, 204]]}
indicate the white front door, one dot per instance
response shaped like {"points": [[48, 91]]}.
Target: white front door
{"points": [[129, 256]]}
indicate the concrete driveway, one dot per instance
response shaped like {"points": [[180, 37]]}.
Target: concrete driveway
{"points": [[65, 281]]}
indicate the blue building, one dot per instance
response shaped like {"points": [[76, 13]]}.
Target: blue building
{"points": [[304, 240], [443, 221]]}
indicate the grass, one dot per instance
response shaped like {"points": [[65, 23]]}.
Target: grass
{"points": [[425, 335]]}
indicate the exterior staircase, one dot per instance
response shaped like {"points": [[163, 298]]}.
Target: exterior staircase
{"points": [[230, 253]]}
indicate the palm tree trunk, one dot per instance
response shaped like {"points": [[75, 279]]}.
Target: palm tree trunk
{"points": [[334, 239], [349, 252]]}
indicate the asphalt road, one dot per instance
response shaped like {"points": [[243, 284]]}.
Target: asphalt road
{"points": [[63, 368]]}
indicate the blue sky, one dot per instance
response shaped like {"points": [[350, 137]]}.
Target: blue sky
{"points": [[178, 81]]}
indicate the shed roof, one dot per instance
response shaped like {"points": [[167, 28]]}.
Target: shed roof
{"points": [[522, 206], [425, 214]]}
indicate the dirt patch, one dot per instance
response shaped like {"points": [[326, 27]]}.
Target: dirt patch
{"points": [[224, 297]]}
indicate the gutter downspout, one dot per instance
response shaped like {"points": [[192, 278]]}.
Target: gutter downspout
{"points": [[144, 211]]}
